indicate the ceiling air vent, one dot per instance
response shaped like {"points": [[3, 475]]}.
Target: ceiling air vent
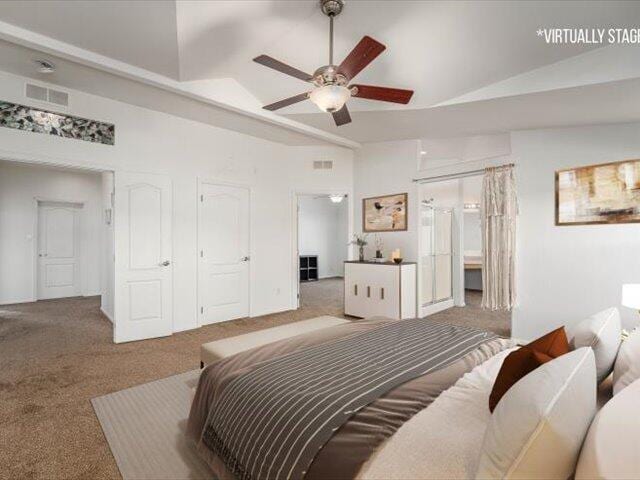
{"points": [[322, 164], [48, 95]]}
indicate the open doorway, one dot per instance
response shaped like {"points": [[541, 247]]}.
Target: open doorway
{"points": [[472, 239], [322, 248], [57, 241], [450, 260]]}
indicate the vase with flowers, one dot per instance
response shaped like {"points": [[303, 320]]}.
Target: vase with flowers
{"points": [[361, 242], [379, 246]]}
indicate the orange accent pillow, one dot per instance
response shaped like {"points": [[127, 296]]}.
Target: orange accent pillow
{"points": [[553, 343], [525, 360]]}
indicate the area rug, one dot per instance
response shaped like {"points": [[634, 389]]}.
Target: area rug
{"points": [[145, 425]]}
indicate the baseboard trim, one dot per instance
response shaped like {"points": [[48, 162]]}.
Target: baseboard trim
{"points": [[16, 302], [104, 312], [270, 312]]}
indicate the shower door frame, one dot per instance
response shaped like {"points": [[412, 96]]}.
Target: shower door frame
{"points": [[435, 305]]}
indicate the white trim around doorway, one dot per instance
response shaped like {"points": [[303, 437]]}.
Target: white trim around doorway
{"points": [[295, 195]]}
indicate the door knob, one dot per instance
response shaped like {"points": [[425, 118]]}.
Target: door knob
{"points": [[244, 259], [166, 263]]}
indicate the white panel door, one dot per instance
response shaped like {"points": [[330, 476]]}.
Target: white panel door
{"points": [[143, 272], [58, 250], [223, 253]]}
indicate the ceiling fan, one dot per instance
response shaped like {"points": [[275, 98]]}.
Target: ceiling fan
{"points": [[332, 89]]}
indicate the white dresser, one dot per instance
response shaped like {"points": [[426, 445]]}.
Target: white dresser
{"points": [[380, 289]]}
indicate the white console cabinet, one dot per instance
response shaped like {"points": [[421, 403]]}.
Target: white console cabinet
{"points": [[380, 289]]}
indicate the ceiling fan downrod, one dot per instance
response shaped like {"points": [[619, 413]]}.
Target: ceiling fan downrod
{"points": [[331, 8]]}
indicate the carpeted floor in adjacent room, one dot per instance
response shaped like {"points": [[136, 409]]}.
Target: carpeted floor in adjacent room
{"points": [[56, 355]]}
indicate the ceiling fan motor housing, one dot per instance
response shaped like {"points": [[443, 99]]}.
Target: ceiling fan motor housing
{"points": [[328, 75]]}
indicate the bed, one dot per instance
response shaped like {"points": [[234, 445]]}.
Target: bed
{"points": [[327, 404]]}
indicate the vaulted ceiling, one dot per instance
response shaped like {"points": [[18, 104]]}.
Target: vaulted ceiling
{"points": [[476, 67]]}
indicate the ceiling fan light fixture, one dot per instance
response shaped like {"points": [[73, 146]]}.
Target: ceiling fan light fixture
{"points": [[330, 98]]}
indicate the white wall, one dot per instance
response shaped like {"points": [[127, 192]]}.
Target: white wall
{"points": [[384, 169], [343, 235], [472, 233], [565, 274], [149, 141], [472, 190], [20, 184]]}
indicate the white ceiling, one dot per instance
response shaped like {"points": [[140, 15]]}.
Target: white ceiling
{"points": [[140, 33], [442, 50]]}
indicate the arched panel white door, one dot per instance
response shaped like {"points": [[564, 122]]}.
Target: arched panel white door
{"points": [[143, 268], [223, 257]]}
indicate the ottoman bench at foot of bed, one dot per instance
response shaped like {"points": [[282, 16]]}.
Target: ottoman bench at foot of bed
{"points": [[214, 351]]}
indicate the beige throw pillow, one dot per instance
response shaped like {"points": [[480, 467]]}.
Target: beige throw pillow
{"points": [[538, 427], [626, 370], [602, 332]]}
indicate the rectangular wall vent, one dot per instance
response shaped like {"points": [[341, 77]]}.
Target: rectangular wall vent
{"points": [[322, 164], [37, 93], [48, 95], [58, 97]]}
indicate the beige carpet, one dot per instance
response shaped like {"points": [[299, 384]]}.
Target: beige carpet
{"points": [[56, 355], [474, 316], [145, 426]]}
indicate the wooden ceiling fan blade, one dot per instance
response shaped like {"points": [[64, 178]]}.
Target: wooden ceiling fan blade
{"points": [[383, 94], [286, 102], [270, 62], [342, 116], [362, 55]]}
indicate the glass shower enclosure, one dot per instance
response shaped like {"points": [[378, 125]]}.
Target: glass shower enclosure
{"points": [[436, 254]]}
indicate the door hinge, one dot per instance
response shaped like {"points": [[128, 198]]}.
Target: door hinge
{"points": [[202, 198], [201, 310], [201, 253]]}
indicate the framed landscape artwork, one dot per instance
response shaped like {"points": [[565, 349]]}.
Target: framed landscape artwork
{"points": [[599, 194], [385, 214]]}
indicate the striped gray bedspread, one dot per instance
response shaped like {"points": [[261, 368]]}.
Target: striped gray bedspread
{"points": [[270, 421]]}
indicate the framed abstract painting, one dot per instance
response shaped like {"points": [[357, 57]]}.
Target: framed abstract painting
{"points": [[385, 214], [608, 193]]}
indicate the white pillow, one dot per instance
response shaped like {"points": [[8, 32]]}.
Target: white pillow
{"points": [[537, 429], [611, 449], [603, 333], [627, 367]]}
